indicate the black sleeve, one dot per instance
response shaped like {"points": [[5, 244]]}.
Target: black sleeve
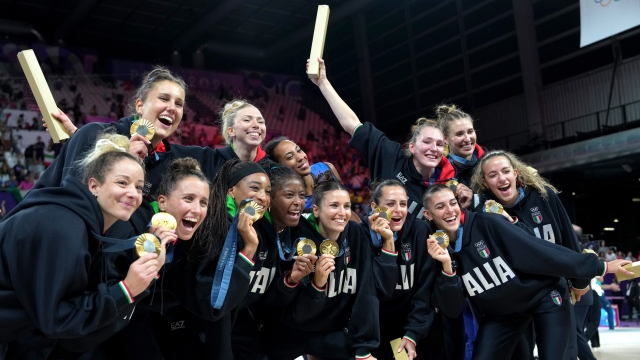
{"points": [[376, 148], [305, 300], [567, 234], [56, 291], [364, 324], [532, 255], [192, 285], [210, 159], [419, 321], [82, 141], [448, 294], [385, 267]]}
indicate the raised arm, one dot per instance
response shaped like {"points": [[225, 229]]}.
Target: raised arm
{"points": [[343, 112]]}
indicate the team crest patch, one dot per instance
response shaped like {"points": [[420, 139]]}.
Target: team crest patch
{"points": [[482, 249], [555, 296], [347, 255], [537, 216], [406, 251], [263, 255]]}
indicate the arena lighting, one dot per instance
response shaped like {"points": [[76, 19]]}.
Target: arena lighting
{"points": [[609, 229], [573, 193], [635, 199], [615, 220]]}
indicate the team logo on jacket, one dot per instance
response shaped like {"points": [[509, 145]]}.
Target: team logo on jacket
{"points": [[555, 296], [537, 216], [263, 255], [482, 249], [347, 255], [406, 251]]}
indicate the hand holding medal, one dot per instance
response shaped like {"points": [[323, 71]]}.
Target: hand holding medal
{"points": [[324, 266], [142, 131], [248, 213], [437, 246], [379, 222], [494, 207], [163, 226]]}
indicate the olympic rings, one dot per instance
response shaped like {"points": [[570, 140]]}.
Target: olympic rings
{"points": [[602, 2]]}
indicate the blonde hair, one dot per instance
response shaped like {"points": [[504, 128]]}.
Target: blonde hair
{"points": [[97, 162], [527, 176], [447, 113], [228, 116], [420, 124]]}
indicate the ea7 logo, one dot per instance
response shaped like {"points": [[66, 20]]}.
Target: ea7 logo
{"points": [[401, 178], [177, 325]]}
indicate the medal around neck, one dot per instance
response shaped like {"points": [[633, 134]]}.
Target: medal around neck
{"points": [[164, 220], [384, 213], [143, 127], [442, 238], [329, 247], [306, 246], [493, 207], [147, 243], [252, 209], [453, 185]]}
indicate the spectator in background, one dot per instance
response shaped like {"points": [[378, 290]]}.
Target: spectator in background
{"points": [[611, 255], [39, 149], [27, 183], [94, 110], [36, 168], [49, 154], [35, 124], [629, 256], [5, 173], [21, 121], [633, 298], [12, 183]]}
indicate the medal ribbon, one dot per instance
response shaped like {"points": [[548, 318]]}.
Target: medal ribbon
{"points": [[376, 239], [520, 197], [222, 277], [288, 247]]}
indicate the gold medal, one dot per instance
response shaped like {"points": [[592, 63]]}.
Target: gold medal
{"points": [[493, 207], [384, 213], [453, 185], [251, 208], [306, 246], [329, 247], [147, 243], [442, 238], [165, 220], [143, 127]]}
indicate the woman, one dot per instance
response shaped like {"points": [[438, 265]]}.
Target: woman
{"points": [[41, 302], [285, 151], [526, 198], [511, 277], [286, 269], [405, 302], [417, 167], [342, 308], [458, 131]]}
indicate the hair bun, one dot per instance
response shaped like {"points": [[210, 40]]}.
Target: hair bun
{"points": [[183, 164], [445, 109]]}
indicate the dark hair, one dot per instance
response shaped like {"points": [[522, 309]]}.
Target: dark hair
{"points": [[271, 146], [448, 113], [209, 238], [430, 191], [377, 187], [325, 183], [178, 170], [149, 80], [279, 174]]}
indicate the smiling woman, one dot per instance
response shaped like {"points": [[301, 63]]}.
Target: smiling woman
{"points": [[68, 269]]}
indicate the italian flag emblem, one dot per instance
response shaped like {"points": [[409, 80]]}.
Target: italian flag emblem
{"points": [[555, 296], [482, 249], [537, 217]]}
